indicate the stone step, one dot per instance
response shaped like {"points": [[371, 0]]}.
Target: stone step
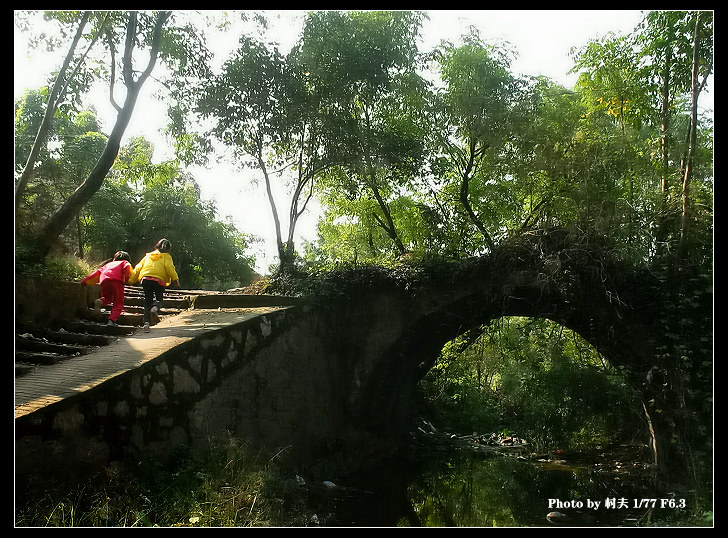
{"points": [[26, 357], [172, 299], [22, 369], [37, 346], [63, 336], [180, 302], [40, 346], [134, 297], [137, 309], [27, 343], [132, 317], [169, 302], [126, 318], [95, 328]]}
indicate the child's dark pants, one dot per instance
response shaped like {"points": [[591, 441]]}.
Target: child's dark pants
{"points": [[152, 290]]}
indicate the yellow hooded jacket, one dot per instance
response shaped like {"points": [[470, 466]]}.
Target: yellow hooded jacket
{"points": [[157, 265]]}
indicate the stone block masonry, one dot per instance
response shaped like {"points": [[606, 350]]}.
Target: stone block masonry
{"points": [[146, 395]]}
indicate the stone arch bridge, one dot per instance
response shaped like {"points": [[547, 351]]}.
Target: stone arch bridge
{"points": [[334, 376]]}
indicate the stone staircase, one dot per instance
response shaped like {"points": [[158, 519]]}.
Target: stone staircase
{"points": [[64, 339]]}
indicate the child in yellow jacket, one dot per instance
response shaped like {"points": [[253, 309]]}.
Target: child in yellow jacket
{"points": [[155, 271]]}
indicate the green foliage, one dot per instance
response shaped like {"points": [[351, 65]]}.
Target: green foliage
{"points": [[522, 153], [535, 378], [436, 155], [51, 268], [28, 117], [143, 202], [74, 144], [140, 202], [357, 52], [480, 91], [226, 486]]}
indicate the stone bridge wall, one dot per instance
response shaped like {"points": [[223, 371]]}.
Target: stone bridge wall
{"points": [[334, 382], [265, 380], [49, 301]]}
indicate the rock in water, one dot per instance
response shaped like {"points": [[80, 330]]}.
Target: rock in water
{"points": [[556, 518]]}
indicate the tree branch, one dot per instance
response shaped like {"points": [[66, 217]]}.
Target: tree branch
{"points": [[53, 99]]}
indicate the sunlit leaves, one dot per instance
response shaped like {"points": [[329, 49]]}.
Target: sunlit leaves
{"points": [[530, 375], [479, 92], [358, 52], [612, 80]]}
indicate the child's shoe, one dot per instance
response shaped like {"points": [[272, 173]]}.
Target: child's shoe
{"points": [[146, 328], [112, 323], [154, 315]]}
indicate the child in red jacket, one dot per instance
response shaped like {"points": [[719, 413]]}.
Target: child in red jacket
{"points": [[111, 277]]}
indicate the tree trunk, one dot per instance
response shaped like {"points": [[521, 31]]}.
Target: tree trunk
{"points": [[464, 197], [305, 179], [665, 124], [387, 226], [369, 172], [64, 215], [45, 126], [79, 231], [687, 174], [671, 450], [686, 170], [664, 217]]}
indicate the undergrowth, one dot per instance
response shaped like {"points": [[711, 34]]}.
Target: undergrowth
{"points": [[67, 267], [224, 487]]}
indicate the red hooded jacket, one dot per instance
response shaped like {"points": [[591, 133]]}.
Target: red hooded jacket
{"points": [[117, 270]]}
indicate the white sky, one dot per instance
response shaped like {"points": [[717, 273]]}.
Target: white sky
{"points": [[541, 39]]}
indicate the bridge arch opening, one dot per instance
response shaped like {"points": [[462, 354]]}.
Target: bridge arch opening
{"points": [[534, 377]]}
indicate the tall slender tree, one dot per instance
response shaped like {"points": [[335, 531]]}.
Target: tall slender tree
{"points": [[478, 105], [702, 67], [362, 65], [301, 114], [56, 96], [666, 42], [126, 36], [264, 111], [64, 215]]}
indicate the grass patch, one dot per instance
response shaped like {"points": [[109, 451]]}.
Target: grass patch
{"points": [[225, 487], [66, 267]]}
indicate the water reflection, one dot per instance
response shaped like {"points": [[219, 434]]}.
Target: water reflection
{"points": [[476, 490]]}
